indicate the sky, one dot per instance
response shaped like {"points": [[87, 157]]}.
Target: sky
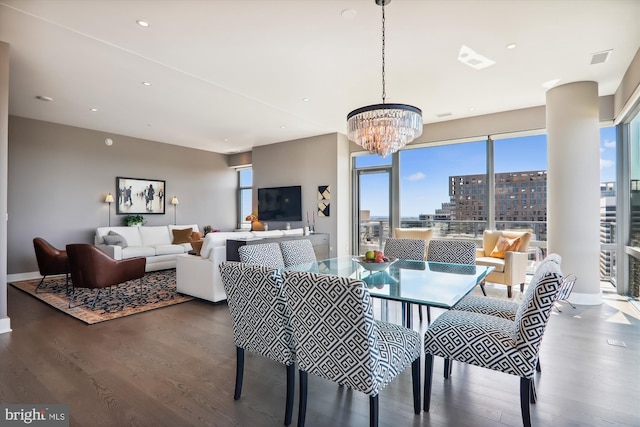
{"points": [[424, 172]]}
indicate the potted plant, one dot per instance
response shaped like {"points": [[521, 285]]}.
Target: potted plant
{"points": [[133, 220]]}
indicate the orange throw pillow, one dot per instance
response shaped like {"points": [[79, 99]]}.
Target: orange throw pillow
{"points": [[196, 235], [505, 245], [182, 236]]}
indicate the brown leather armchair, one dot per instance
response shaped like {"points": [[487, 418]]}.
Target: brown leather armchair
{"points": [[91, 268], [50, 260]]}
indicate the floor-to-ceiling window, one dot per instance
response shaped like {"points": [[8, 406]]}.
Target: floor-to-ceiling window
{"points": [[245, 195], [633, 247]]}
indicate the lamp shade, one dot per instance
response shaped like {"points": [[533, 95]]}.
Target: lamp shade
{"points": [[174, 201], [109, 198]]}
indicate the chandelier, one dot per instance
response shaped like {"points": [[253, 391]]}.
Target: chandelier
{"points": [[384, 128]]}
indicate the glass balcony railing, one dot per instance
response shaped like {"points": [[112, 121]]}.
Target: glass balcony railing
{"points": [[374, 232]]}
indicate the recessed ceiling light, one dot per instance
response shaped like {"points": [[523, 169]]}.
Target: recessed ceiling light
{"points": [[282, 127], [511, 46], [93, 109], [472, 108], [305, 99], [146, 83], [226, 140], [446, 114], [142, 23], [348, 13], [44, 98], [550, 83]]}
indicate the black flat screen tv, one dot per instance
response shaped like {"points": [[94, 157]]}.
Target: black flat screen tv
{"points": [[280, 203]]}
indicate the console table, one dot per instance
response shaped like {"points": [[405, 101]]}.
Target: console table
{"points": [[319, 241]]}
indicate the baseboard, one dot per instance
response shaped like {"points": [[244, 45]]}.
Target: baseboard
{"points": [[5, 325], [24, 276]]}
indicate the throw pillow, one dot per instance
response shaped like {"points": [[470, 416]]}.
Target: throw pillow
{"points": [[114, 238], [195, 236], [505, 245], [197, 246], [182, 236]]}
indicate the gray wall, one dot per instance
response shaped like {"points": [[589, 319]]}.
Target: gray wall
{"points": [[309, 162], [59, 176]]}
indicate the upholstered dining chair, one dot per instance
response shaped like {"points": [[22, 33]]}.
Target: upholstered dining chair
{"points": [[296, 252], [51, 261], [405, 248], [494, 343], [91, 268], [337, 338], [265, 254], [452, 252], [261, 320]]}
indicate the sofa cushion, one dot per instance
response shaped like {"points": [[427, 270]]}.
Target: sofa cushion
{"points": [[505, 244], [114, 238], [181, 236], [171, 249], [134, 251], [155, 235]]}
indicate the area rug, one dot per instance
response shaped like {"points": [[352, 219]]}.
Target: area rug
{"points": [[158, 290]]}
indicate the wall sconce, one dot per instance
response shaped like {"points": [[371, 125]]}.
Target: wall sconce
{"points": [[109, 199], [175, 203]]}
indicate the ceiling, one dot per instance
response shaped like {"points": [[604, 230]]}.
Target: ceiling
{"points": [[229, 75]]}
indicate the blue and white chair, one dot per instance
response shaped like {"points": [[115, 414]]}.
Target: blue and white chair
{"points": [[296, 252], [261, 320], [495, 343], [338, 339]]}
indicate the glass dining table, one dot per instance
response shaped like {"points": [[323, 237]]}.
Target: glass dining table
{"points": [[433, 284]]}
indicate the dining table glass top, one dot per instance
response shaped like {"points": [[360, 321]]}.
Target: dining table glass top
{"points": [[429, 283]]}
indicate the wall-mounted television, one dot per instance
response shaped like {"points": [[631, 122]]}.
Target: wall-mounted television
{"points": [[280, 203]]}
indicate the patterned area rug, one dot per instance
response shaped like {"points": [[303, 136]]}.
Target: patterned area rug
{"points": [[158, 290]]}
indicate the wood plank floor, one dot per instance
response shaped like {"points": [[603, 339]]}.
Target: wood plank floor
{"points": [[175, 367]]}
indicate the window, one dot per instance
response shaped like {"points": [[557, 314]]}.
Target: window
{"points": [[245, 196]]}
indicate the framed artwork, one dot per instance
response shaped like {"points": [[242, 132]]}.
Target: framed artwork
{"points": [[140, 196], [324, 194]]}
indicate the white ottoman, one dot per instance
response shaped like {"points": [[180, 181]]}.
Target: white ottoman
{"points": [[199, 277]]}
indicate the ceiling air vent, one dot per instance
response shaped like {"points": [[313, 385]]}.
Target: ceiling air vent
{"points": [[600, 57]]}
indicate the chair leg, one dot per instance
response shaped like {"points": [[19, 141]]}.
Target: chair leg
{"points": [[302, 400], [420, 313], [415, 377], [239, 372], [95, 299], [448, 363], [40, 284], [291, 380], [538, 367], [428, 315], [534, 396], [509, 292], [525, 398], [428, 376], [373, 411], [521, 287]]}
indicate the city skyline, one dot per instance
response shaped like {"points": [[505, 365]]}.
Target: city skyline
{"points": [[424, 172]]}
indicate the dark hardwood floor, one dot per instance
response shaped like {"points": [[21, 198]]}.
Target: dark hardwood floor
{"points": [[175, 366]]}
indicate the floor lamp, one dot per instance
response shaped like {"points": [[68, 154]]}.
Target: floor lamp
{"points": [[109, 199], [175, 203]]}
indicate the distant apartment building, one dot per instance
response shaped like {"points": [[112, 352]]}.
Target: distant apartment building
{"points": [[607, 227]]}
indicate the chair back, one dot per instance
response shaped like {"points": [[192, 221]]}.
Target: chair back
{"points": [[265, 254], [452, 251], [50, 259], [296, 252], [259, 312], [413, 249], [92, 268], [534, 310], [335, 332]]}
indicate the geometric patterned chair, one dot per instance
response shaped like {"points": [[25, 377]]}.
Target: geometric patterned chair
{"points": [[296, 252], [338, 339], [453, 252], [50, 260], [405, 248], [412, 249], [265, 254], [261, 320], [494, 343]]}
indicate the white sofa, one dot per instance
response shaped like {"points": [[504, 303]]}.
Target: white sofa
{"points": [[152, 242], [199, 276]]}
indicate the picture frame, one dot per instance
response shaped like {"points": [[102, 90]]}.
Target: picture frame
{"points": [[133, 197]]}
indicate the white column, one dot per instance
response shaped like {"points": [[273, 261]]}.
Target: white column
{"points": [[5, 322], [573, 185]]}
